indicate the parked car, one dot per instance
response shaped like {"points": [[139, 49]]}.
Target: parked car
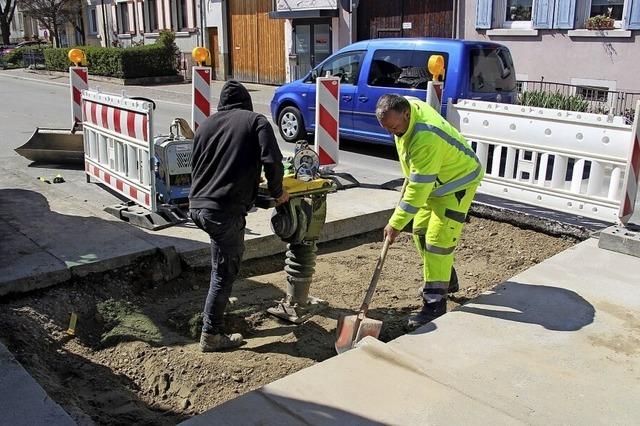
{"points": [[6, 48], [33, 43], [369, 69]]}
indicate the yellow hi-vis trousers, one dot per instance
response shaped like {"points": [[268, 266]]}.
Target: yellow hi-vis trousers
{"points": [[436, 232]]}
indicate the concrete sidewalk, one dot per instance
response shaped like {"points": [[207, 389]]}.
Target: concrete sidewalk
{"points": [[22, 400], [556, 344], [52, 232]]}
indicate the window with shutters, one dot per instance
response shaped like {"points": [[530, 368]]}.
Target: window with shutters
{"points": [[519, 14], [555, 14]]}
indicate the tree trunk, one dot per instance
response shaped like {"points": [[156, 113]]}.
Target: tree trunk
{"points": [[5, 27], [56, 35]]}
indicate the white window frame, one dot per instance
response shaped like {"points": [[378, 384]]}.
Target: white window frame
{"points": [[522, 77], [90, 29], [519, 25], [610, 84], [617, 25]]}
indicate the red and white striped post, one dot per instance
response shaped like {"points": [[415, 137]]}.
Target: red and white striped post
{"points": [[632, 177], [327, 138], [78, 81], [435, 65], [201, 106], [201, 82], [434, 95]]}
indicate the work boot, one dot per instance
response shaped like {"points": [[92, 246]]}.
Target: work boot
{"points": [[428, 313], [219, 342], [454, 285]]}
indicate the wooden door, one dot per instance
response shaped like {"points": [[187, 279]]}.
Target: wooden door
{"points": [[271, 58], [427, 18], [242, 41], [256, 42], [431, 18], [215, 53], [379, 19]]}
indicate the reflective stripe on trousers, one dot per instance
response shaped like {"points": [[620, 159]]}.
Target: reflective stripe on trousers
{"points": [[436, 232]]}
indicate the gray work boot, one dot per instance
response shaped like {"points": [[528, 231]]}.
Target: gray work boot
{"points": [[428, 313], [454, 285], [219, 342]]}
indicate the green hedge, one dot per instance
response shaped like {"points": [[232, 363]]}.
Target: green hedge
{"points": [[153, 60]]}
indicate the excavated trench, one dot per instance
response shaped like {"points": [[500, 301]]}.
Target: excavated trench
{"points": [[134, 358]]}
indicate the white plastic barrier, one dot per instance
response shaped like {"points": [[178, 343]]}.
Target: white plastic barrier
{"points": [[118, 145], [327, 137], [567, 161]]}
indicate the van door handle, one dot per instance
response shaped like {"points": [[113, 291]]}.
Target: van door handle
{"points": [[363, 98], [346, 98]]}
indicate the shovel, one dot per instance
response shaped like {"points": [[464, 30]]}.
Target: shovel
{"points": [[353, 328]]}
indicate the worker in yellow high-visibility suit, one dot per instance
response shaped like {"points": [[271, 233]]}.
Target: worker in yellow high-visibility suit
{"points": [[443, 173]]}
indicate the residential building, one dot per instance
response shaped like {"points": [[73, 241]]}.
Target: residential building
{"points": [[549, 39]]}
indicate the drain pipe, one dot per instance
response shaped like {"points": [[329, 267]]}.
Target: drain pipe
{"points": [[454, 19]]}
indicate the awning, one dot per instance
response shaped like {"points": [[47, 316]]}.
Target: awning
{"points": [[304, 13]]}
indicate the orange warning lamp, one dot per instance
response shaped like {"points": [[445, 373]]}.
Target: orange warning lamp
{"points": [[436, 66], [201, 55], [76, 56]]}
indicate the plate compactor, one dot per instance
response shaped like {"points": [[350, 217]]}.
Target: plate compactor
{"points": [[299, 223]]}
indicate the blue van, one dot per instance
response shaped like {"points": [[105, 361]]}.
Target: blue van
{"points": [[371, 68]]}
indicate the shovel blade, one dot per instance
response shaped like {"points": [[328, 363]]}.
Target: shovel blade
{"points": [[351, 330]]}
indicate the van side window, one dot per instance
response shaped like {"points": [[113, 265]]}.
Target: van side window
{"points": [[492, 71], [401, 68], [346, 66]]}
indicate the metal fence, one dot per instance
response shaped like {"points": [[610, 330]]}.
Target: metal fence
{"points": [[33, 59], [599, 100]]}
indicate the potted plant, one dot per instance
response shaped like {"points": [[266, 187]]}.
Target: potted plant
{"points": [[600, 22]]}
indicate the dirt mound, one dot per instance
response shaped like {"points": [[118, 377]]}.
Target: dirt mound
{"points": [[135, 358]]}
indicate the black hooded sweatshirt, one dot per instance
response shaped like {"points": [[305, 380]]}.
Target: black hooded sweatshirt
{"points": [[229, 150]]}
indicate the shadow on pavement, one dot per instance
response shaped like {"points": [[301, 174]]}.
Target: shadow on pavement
{"points": [[553, 308], [264, 407]]}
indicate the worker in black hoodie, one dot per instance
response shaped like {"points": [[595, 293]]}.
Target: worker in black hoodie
{"points": [[229, 151]]}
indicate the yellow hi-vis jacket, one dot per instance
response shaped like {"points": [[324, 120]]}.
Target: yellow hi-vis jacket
{"points": [[435, 158]]}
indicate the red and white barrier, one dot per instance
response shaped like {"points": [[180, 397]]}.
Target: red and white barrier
{"points": [[632, 177], [201, 105], [434, 95], [78, 81], [118, 145], [327, 138]]}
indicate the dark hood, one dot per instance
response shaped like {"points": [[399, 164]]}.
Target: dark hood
{"points": [[234, 96]]}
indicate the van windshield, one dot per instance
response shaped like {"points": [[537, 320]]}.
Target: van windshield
{"points": [[492, 70]]}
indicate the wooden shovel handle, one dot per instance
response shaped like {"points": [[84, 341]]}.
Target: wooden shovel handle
{"points": [[374, 279]]}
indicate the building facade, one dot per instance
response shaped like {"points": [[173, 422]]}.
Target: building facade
{"points": [[555, 40]]}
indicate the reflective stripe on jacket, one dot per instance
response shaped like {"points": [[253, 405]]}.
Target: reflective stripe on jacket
{"points": [[435, 158]]}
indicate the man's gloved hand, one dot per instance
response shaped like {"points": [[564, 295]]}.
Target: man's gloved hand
{"points": [[283, 198]]}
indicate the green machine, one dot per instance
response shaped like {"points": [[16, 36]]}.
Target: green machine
{"points": [[299, 223]]}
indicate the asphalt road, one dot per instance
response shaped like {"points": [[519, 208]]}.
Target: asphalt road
{"points": [[29, 103]]}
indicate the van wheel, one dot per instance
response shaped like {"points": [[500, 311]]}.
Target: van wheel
{"points": [[291, 125]]}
